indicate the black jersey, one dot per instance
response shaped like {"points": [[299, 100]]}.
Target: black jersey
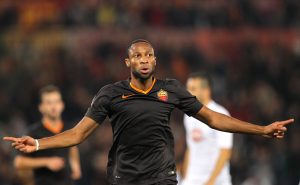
{"points": [[143, 144], [44, 176]]}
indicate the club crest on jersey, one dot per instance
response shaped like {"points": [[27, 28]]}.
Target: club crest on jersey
{"points": [[162, 95], [197, 135]]}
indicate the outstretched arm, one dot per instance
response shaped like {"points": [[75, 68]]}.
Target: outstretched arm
{"points": [[229, 124], [68, 138]]}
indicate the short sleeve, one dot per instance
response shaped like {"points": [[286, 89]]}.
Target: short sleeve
{"points": [[225, 139], [100, 105], [186, 101]]}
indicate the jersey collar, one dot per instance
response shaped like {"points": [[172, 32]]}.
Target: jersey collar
{"points": [[54, 129], [143, 91]]}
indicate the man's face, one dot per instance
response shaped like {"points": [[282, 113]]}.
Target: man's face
{"points": [[51, 105], [141, 60], [198, 87]]}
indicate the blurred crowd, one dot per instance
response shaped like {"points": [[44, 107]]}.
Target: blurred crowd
{"points": [[157, 13], [250, 47]]}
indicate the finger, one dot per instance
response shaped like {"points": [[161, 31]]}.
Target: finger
{"points": [[279, 133], [280, 137], [23, 150], [14, 139], [286, 122], [24, 139], [19, 147], [282, 129], [15, 144]]}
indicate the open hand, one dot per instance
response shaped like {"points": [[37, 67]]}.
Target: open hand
{"points": [[76, 175], [210, 182], [276, 129], [24, 144], [55, 163]]}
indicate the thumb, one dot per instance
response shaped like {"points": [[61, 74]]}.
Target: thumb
{"points": [[27, 140], [24, 138]]}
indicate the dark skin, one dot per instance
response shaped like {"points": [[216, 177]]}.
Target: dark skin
{"points": [[142, 61]]}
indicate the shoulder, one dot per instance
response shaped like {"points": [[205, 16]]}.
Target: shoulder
{"points": [[105, 91], [170, 83], [106, 88], [108, 92], [114, 87], [121, 83]]}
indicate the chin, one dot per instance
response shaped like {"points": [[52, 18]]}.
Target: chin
{"points": [[53, 117], [143, 76]]}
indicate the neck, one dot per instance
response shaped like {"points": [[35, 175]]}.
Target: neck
{"points": [[206, 101], [53, 125], [52, 121], [141, 83]]}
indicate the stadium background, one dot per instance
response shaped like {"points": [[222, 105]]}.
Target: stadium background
{"points": [[250, 47]]}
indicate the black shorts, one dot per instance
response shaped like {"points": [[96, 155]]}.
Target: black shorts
{"points": [[163, 182], [166, 182]]}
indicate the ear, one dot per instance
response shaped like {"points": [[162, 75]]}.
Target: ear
{"points": [[40, 108], [63, 106], [154, 61], [127, 62]]}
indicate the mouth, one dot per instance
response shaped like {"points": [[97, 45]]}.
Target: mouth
{"points": [[145, 70]]}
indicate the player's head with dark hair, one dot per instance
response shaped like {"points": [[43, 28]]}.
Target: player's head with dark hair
{"points": [[141, 59], [200, 84], [137, 41], [207, 81], [48, 89], [51, 103]]}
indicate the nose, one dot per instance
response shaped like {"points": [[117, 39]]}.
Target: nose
{"points": [[144, 60]]}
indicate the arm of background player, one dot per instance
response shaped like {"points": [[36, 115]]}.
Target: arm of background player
{"points": [[74, 159], [229, 124], [68, 138], [224, 157], [31, 163], [184, 165]]}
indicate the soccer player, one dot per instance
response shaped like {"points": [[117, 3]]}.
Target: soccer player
{"points": [[55, 166], [139, 109], [208, 150]]}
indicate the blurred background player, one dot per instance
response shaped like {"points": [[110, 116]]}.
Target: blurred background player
{"points": [[55, 166], [208, 151]]}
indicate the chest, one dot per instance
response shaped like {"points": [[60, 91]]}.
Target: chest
{"points": [[198, 131], [153, 104]]}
